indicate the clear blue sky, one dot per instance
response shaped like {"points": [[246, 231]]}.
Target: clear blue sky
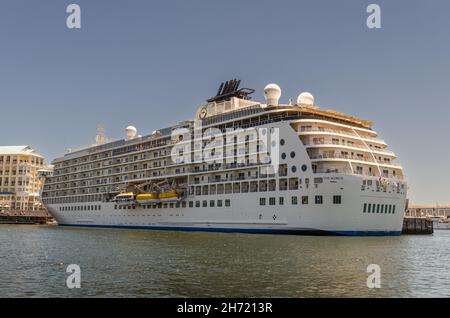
{"points": [[151, 63]]}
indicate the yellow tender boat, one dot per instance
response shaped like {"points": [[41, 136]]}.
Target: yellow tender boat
{"points": [[147, 198], [169, 196], [124, 198]]}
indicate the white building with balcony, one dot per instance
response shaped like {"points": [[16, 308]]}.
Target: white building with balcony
{"points": [[20, 181]]}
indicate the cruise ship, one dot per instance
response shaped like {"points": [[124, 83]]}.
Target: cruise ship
{"points": [[238, 166]]}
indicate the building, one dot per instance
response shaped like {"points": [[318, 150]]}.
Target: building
{"points": [[415, 210], [20, 179]]}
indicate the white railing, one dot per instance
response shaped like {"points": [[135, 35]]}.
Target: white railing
{"points": [[327, 143], [350, 157], [302, 130]]}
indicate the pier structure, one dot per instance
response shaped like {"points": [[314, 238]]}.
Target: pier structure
{"points": [[427, 211]]}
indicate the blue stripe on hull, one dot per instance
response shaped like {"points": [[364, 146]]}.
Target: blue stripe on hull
{"points": [[242, 230]]}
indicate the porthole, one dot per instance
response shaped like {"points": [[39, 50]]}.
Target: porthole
{"points": [[304, 168], [292, 154], [282, 142], [294, 169], [283, 156]]}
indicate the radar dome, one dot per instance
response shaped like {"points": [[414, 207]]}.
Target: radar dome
{"points": [[272, 93], [305, 98], [131, 132]]}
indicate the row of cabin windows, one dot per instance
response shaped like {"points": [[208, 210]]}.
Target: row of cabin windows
{"points": [[379, 208], [252, 186], [183, 204], [80, 208], [74, 199], [318, 199]]}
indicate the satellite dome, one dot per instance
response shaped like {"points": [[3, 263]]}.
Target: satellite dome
{"points": [[272, 93], [131, 132], [305, 98]]}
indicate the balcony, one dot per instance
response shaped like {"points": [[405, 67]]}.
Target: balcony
{"points": [[340, 132], [357, 158], [331, 144]]}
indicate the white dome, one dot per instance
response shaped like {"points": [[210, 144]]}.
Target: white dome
{"points": [[131, 132], [272, 93], [305, 98]]}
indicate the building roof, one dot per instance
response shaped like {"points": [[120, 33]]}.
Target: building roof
{"points": [[429, 206], [18, 150]]}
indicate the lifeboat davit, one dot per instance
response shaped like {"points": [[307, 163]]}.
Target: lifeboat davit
{"points": [[127, 198], [169, 196], [147, 198]]}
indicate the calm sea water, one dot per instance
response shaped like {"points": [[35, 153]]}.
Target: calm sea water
{"points": [[123, 263]]}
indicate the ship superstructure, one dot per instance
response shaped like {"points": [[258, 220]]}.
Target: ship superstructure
{"points": [[239, 166]]}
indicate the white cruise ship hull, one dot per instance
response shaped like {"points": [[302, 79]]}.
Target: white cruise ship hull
{"points": [[246, 215]]}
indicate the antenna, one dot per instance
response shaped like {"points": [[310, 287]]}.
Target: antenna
{"points": [[231, 89], [100, 138]]}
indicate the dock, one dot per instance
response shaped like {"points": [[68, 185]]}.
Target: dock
{"points": [[24, 217], [412, 225]]}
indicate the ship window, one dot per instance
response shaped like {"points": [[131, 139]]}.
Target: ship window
{"points": [[227, 202], [191, 204], [283, 156], [283, 184], [197, 204], [319, 199], [365, 208], [390, 208], [272, 185], [281, 200], [263, 185], [304, 168], [294, 169], [211, 203], [293, 184], [262, 201], [378, 208], [393, 209], [386, 209], [282, 142], [183, 204], [305, 199], [337, 199], [292, 154], [272, 201], [219, 203], [294, 200], [205, 204]]}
